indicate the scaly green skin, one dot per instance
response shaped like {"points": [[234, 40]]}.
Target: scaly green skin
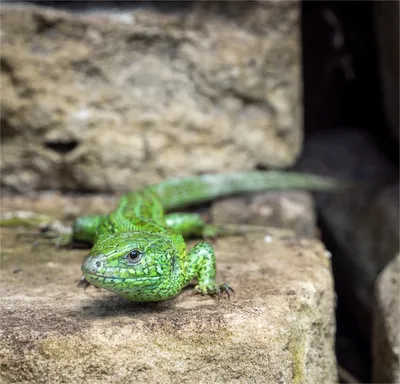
{"points": [[139, 252]]}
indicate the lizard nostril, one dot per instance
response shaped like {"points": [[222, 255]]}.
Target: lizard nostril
{"points": [[97, 264]]}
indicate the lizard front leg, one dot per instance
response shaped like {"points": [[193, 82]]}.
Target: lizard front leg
{"points": [[85, 228], [203, 267]]}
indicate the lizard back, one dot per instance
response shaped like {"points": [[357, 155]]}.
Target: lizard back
{"points": [[141, 205]]}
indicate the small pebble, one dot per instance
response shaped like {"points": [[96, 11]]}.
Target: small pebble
{"points": [[328, 254]]}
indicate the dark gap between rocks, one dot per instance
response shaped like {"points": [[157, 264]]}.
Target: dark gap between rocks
{"points": [[61, 146], [342, 88]]}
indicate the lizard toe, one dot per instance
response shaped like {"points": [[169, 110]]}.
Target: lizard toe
{"points": [[225, 288]]}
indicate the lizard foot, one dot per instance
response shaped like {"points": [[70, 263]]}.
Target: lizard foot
{"points": [[57, 233], [59, 240], [225, 288], [51, 231], [215, 290], [54, 233]]}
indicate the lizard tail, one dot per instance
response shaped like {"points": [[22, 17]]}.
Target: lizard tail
{"points": [[180, 192]]}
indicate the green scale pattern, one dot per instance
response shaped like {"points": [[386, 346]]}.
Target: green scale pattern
{"points": [[139, 252]]}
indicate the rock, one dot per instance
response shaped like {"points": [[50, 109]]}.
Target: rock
{"points": [[59, 205], [361, 227], [104, 101], [280, 209], [386, 335], [279, 328], [387, 33]]}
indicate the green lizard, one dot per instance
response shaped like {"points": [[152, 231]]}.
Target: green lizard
{"points": [[139, 252]]}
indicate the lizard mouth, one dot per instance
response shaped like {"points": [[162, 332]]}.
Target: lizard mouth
{"points": [[114, 278], [93, 269]]}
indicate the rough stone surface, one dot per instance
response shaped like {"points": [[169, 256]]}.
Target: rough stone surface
{"points": [[387, 31], [386, 338], [363, 225], [279, 328], [110, 101], [59, 205], [287, 209]]}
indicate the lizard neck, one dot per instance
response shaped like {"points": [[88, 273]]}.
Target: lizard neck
{"points": [[117, 222]]}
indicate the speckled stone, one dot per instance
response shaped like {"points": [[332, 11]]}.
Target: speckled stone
{"points": [[106, 101], [279, 328]]}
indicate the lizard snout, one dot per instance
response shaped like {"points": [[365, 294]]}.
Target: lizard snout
{"points": [[92, 265]]}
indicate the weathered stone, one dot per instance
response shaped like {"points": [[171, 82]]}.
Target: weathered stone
{"points": [[387, 32], [386, 336], [362, 226], [288, 209], [278, 328], [59, 205], [109, 101]]}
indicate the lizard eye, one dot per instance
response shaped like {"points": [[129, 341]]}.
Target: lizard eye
{"points": [[134, 256]]}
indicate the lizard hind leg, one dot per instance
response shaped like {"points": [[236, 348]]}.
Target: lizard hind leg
{"points": [[192, 224], [202, 266]]}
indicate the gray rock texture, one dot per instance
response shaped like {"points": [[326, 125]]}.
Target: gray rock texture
{"points": [[363, 224], [115, 100], [280, 209], [386, 336]]}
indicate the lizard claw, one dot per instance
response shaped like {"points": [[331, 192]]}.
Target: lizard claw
{"points": [[225, 288], [215, 290], [83, 283]]}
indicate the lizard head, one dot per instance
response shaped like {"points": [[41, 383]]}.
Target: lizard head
{"points": [[138, 266]]}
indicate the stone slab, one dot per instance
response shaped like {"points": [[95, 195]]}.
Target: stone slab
{"points": [[279, 328]]}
